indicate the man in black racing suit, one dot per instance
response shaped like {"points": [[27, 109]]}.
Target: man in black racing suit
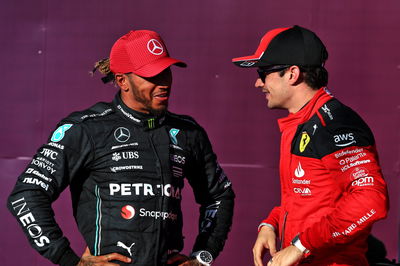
{"points": [[125, 162]]}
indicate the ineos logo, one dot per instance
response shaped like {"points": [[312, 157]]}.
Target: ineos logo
{"points": [[122, 134], [155, 47]]}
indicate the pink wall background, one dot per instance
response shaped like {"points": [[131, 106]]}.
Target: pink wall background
{"points": [[48, 47]]}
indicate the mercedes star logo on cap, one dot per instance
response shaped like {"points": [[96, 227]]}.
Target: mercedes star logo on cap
{"points": [[122, 134], [155, 47]]}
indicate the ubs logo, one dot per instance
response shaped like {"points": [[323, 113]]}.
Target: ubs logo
{"points": [[122, 134]]}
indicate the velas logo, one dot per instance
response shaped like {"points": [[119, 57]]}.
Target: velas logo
{"points": [[128, 212], [59, 133], [122, 134], [155, 47]]}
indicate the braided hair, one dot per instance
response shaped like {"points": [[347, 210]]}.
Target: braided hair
{"points": [[103, 66]]}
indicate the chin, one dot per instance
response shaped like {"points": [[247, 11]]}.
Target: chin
{"points": [[159, 111]]}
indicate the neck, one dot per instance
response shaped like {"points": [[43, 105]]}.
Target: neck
{"points": [[132, 104], [300, 98]]}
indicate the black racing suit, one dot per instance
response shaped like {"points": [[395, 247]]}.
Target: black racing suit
{"points": [[125, 171]]}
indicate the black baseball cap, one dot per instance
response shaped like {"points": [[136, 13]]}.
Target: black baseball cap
{"points": [[286, 46]]}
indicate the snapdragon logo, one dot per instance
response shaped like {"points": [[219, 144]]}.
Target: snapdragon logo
{"points": [[158, 214], [128, 212]]}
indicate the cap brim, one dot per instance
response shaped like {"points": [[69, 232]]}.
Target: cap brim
{"points": [[258, 59], [157, 66], [248, 61]]}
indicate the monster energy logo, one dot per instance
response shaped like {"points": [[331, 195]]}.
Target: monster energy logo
{"points": [[150, 123]]}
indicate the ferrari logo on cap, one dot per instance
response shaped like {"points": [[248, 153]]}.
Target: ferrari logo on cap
{"points": [[305, 139], [155, 47]]}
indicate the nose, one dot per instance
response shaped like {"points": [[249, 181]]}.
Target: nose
{"points": [[259, 83]]}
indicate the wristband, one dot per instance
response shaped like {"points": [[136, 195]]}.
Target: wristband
{"points": [[297, 243], [266, 224]]}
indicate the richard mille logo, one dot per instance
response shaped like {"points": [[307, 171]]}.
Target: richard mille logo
{"points": [[122, 134], [155, 47]]}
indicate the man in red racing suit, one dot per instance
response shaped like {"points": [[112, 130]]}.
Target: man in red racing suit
{"points": [[332, 187]]}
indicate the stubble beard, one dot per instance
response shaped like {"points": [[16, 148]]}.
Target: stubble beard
{"points": [[147, 104]]}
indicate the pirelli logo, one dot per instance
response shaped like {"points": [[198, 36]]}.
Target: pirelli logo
{"points": [[305, 139]]}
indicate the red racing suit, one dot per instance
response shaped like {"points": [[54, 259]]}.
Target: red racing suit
{"points": [[331, 183]]}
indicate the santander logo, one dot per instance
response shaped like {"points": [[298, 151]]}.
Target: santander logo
{"points": [[128, 212], [299, 172]]}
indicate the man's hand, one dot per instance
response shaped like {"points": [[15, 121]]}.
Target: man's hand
{"points": [[266, 239], [290, 255], [192, 262], [90, 260], [183, 260], [177, 259]]}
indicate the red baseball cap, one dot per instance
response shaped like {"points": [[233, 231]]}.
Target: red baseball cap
{"points": [[141, 52], [286, 46]]}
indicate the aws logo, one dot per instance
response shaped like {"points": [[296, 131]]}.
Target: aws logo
{"points": [[305, 139], [343, 140]]}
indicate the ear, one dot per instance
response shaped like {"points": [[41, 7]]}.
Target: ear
{"points": [[122, 81], [294, 75]]}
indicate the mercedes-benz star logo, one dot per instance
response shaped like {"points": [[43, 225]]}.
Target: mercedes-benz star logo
{"points": [[122, 134], [155, 47]]}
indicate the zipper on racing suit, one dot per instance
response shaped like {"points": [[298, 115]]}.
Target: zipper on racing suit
{"points": [[283, 231], [159, 166]]}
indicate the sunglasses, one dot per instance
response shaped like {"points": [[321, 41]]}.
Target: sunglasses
{"points": [[264, 71]]}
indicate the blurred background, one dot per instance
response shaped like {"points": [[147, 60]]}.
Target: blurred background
{"points": [[48, 48]]}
